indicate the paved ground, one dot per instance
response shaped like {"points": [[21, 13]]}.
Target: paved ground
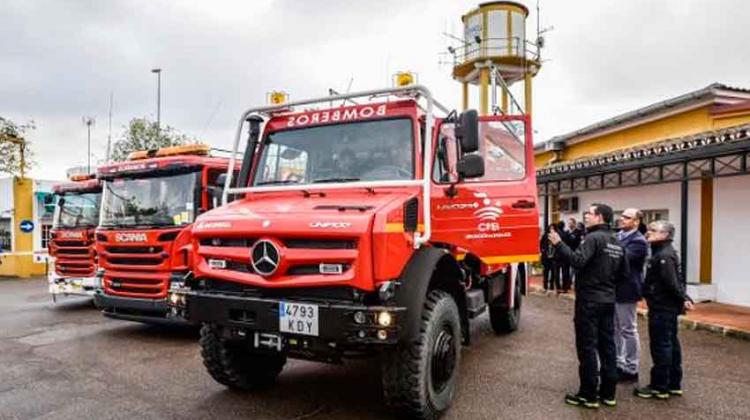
{"points": [[68, 362]]}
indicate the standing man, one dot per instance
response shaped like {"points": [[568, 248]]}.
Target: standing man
{"points": [[628, 294], [600, 264], [548, 262], [563, 266], [664, 290]]}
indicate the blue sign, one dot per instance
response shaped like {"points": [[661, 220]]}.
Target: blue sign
{"points": [[27, 226]]}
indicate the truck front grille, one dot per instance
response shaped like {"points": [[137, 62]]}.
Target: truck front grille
{"points": [[73, 258]]}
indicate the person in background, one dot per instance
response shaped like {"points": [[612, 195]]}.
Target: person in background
{"points": [[628, 294], [575, 228], [548, 262], [600, 264], [664, 290], [563, 267]]}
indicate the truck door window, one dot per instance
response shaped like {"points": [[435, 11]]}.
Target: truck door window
{"points": [[502, 146]]}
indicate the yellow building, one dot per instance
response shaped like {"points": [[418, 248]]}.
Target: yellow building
{"points": [[684, 159], [25, 221]]}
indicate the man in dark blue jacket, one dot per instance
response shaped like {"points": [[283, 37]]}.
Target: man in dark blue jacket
{"points": [[628, 294]]}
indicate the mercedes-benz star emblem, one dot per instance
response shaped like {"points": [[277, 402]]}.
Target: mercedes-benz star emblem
{"points": [[264, 257]]}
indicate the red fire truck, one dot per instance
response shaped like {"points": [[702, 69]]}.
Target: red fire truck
{"points": [[71, 241], [371, 229], [149, 203]]}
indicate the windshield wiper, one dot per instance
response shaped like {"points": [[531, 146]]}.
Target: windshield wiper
{"points": [[279, 181], [323, 180]]}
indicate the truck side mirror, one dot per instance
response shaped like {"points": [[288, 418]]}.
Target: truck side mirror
{"points": [[470, 166], [467, 131]]}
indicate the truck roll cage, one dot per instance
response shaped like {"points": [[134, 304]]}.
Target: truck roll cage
{"points": [[417, 91]]}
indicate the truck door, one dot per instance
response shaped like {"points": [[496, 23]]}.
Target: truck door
{"points": [[495, 216]]}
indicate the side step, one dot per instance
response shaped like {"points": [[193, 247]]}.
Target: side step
{"points": [[475, 303]]}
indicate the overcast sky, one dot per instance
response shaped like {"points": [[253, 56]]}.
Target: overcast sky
{"points": [[59, 60]]}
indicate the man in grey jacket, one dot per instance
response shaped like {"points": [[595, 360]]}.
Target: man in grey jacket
{"points": [[628, 293]]}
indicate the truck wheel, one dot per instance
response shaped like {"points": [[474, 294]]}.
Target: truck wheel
{"points": [[505, 320], [234, 364], [419, 377]]}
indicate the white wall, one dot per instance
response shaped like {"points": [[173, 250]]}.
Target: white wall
{"points": [[6, 196], [654, 197], [6, 204], [731, 249]]}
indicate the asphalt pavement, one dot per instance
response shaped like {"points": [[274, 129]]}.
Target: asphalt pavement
{"points": [[66, 361]]}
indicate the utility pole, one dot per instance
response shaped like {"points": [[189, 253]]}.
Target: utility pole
{"points": [[158, 98], [109, 135], [88, 121]]}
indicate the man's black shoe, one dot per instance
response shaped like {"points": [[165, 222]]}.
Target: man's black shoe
{"points": [[623, 376], [650, 393], [608, 402], [580, 401], [676, 392]]}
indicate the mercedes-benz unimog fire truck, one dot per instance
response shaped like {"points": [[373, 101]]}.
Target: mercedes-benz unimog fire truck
{"points": [[144, 245], [71, 240], [373, 229]]}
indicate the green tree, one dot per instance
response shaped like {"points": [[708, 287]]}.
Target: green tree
{"points": [[143, 134], [17, 157]]}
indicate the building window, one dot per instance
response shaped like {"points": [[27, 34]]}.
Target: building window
{"points": [[45, 235], [654, 215], [5, 235]]}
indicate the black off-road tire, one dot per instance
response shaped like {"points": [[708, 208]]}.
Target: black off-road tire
{"points": [[234, 364], [420, 377], [505, 320]]}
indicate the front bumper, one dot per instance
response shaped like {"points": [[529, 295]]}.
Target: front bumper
{"points": [[257, 317], [152, 311], [80, 286]]}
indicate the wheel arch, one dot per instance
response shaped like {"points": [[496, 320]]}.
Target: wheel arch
{"points": [[429, 269]]}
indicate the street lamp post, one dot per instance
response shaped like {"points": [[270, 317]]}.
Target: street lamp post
{"points": [[88, 121], [158, 98]]}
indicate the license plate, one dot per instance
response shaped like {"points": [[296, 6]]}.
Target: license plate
{"points": [[298, 318]]}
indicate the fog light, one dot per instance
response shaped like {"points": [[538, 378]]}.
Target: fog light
{"points": [[362, 334], [382, 334], [359, 317], [385, 319]]}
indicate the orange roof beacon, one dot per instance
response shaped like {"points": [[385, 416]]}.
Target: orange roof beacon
{"points": [[371, 228]]}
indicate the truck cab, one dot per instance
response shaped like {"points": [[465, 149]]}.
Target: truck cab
{"points": [[373, 229], [149, 203], [72, 240]]}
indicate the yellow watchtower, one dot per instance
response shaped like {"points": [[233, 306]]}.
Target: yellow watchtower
{"points": [[496, 54]]}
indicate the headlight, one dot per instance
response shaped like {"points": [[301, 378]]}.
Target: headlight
{"points": [[385, 319], [177, 299]]}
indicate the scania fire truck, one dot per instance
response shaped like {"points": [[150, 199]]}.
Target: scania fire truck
{"points": [[373, 229], [71, 241], [149, 203]]}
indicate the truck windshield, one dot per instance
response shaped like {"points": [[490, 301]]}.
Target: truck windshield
{"points": [[364, 151], [157, 201], [76, 210]]}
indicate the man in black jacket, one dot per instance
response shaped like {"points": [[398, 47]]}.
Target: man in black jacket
{"points": [[600, 264], [664, 290]]}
